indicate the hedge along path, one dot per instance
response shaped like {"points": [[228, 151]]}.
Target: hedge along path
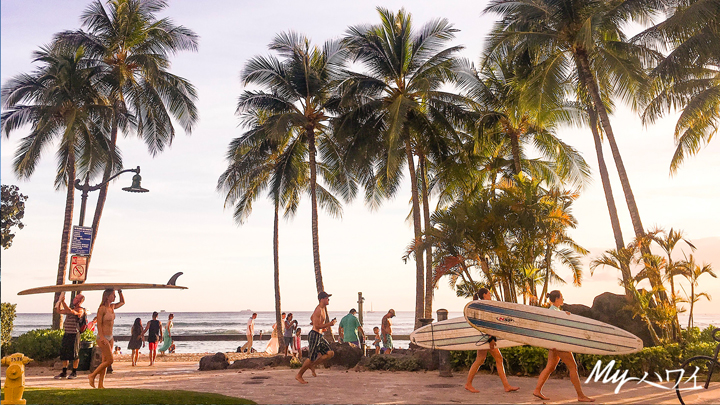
{"points": [[125, 396]]}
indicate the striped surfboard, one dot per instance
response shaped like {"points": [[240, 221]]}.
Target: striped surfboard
{"points": [[454, 334], [543, 327]]}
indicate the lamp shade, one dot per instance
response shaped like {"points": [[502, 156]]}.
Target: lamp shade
{"points": [[135, 187]]}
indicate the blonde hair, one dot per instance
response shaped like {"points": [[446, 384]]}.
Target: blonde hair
{"points": [[106, 295]]}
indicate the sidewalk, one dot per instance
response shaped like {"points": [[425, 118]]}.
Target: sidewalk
{"points": [[278, 386]]}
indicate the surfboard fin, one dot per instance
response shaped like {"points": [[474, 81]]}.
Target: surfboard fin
{"points": [[174, 278]]}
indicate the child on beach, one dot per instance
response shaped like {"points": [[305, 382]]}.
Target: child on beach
{"points": [[296, 342], [377, 341]]}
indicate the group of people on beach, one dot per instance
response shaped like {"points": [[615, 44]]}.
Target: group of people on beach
{"points": [[76, 322]]}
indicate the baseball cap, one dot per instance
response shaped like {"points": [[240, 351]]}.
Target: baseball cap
{"points": [[323, 295]]}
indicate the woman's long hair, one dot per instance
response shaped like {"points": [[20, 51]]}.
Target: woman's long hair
{"points": [[137, 327], [106, 296]]}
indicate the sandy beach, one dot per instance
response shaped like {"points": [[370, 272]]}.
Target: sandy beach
{"points": [[335, 385]]}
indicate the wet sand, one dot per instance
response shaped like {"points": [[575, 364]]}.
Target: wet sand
{"points": [[278, 386]]}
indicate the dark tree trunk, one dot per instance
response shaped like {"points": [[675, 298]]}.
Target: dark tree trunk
{"points": [[65, 240], [428, 249], [276, 278], [419, 268], [515, 145]]}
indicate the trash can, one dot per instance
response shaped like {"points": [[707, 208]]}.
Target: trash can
{"points": [[85, 356]]}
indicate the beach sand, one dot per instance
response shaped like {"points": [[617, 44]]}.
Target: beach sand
{"points": [[278, 386]]}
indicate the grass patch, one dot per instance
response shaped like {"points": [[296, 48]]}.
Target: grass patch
{"points": [[125, 396]]}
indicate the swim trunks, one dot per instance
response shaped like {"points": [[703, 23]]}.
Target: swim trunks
{"points": [[317, 345], [152, 345], [387, 341]]}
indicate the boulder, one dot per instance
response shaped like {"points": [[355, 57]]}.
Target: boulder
{"points": [[218, 361], [346, 355], [261, 362]]}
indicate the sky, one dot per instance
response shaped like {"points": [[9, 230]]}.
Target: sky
{"points": [[181, 224]]}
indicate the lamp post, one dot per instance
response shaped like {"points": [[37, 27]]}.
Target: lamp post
{"points": [[87, 188]]}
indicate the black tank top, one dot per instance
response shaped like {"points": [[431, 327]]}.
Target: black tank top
{"points": [[154, 331]]}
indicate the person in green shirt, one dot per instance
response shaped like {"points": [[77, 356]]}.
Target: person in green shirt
{"points": [[349, 327]]}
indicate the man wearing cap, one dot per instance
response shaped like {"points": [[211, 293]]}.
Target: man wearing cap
{"points": [[318, 347], [70, 348], [386, 331], [348, 330]]}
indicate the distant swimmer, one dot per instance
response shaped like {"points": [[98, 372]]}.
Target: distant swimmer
{"points": [[319, 349]]}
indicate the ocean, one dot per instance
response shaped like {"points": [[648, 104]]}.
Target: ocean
{"points": [[218, 323]]}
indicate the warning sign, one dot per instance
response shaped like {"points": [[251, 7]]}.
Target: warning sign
{"points": [[78, 268]]}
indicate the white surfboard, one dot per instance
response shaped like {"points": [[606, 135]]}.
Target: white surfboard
{"points": [[454, 334], [543, 327]]}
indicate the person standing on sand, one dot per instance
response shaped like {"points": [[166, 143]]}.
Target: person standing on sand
{"points": [[484, 294], [349, 327], [105, 341], [249, 333], [155, 334], [386, 331], [318, 347], [554, 356], [137, 340], [167, 337], [289, 332], [70, 348]]}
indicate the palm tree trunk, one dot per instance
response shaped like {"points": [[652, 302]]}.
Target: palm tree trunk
{"points": [[65, 239], [102, 196], [548, 259], [609, 198], [515, 146], [315, 238], [419, 268], [692, 303], [428, 248], [276, 274]]}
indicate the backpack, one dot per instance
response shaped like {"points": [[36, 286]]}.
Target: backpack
{"points": [[83, 323]]}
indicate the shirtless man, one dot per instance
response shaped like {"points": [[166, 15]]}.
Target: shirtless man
{"points": [[386, 331], [105, 341], [319, 348]]}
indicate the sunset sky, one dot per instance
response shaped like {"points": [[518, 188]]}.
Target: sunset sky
{"points": [[181, 225]]}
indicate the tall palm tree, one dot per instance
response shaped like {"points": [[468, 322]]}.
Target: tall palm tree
{"points": [[61, 100], [297, 96], [688, 77], [258, 163], [580, 41], [403, 100], [135, 46]]}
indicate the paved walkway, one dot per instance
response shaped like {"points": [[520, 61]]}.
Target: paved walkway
{"points": [[278, 386]]}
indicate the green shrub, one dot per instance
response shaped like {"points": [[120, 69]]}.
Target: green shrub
{"points": [[380, 362], [39, 344], [8, 318], [409, 364], [707, 335]]}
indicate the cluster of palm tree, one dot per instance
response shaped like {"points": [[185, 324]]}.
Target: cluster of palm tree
{"points": [[91, 85], [352, 114], [655, 307]]}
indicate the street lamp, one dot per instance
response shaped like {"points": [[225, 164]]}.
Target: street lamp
{"points": [[87, 188]]}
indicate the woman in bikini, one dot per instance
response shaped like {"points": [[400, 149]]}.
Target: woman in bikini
{"points": [[105, 341], [484, 294], [554, 356]]}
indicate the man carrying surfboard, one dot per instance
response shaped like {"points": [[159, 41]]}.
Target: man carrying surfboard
{"points": [[71, 335], [554, 357]]}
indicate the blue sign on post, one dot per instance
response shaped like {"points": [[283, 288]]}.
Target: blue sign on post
{"points": [[81, 239]]}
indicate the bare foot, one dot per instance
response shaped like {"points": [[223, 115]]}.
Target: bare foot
{"points": [[300, 379], [586, 399], [92, 380], [540, 395], [470, 388], [312, 370], [101, 387], [511, 389]]}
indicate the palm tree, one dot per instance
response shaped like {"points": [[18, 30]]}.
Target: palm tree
{"points": [[580, 42], [402, 101], [257, 163], [688, 78], [668, 244], [297, 98], [692, 272], [135, 46], [61, 101]]}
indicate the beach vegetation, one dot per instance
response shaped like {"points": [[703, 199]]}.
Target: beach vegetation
{"points": [[126, 396], [389, 363], [13, 211], [44, 344], [7, 320]]}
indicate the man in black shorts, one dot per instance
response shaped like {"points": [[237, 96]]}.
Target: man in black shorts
{"points": [[319, 348], [71, 337]]}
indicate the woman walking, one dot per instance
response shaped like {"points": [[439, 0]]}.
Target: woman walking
{"points": [[484, 294], [554, 356], [167, 337], [105, 341], [137, 340], [155, 334]]}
